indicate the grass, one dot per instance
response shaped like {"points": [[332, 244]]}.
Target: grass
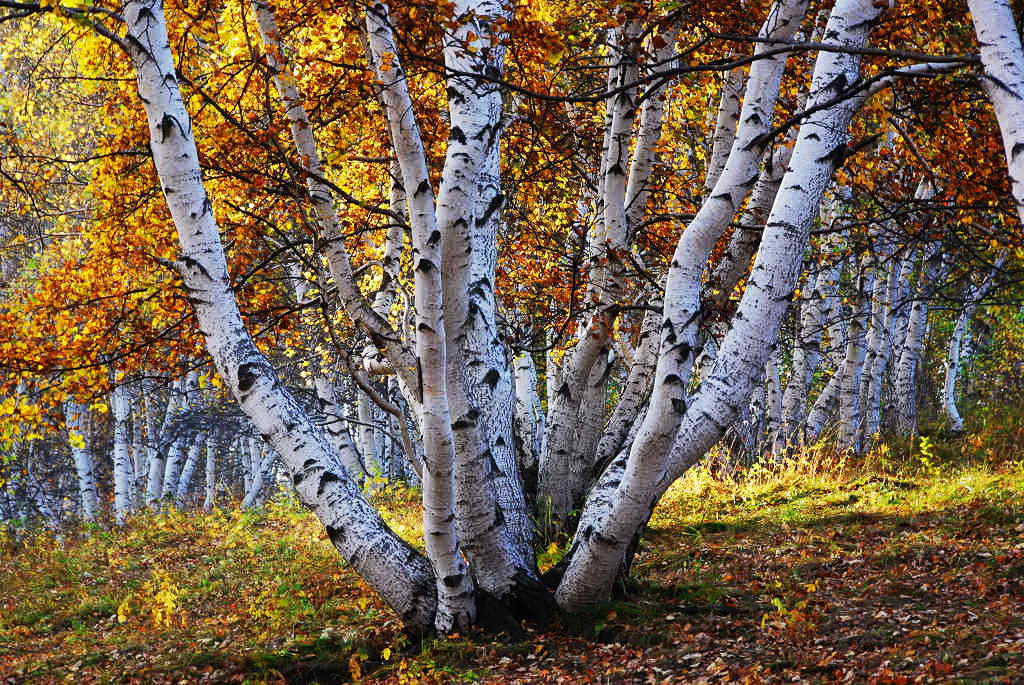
{"points": [[884, 570]]}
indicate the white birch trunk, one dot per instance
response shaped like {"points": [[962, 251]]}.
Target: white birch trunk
{"points": [[76, 419], [649, 134], [905, 373], [366, 317], [973, 294], [182, 437], [604, 282], [140, 454], [120, 410], [806, 357], [388, 564], [529, 419], [773, 398], [853, 364], [154, 454], [725, 125], [334, 423], [635, 392], [210, 482], [456, 608], [263, 460], [187, 471], [879, 350], [602, 547], [1003, 62]]}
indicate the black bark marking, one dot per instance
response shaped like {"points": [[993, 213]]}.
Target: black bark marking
{"points": [[838, 83], [564, 391], [492, 378], [167, 124], [424, 265], [452, 580], [190, 263], [326, 478], [334, 533], [457, 135], [493, 206], [247, 375], [423, 187]]}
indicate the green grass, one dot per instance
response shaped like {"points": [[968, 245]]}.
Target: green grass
{"points": [[884, 568]]}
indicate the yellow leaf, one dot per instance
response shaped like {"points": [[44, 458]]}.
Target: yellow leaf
{"points": [[385, 653], [77, 441], [353, 667], [122, 611]]}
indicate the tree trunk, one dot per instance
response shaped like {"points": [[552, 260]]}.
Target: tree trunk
{"points": [[602, 546], [1003, 61], [120, 409], [393, 568], [76, 418]]}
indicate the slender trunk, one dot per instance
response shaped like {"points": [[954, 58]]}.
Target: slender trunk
{"points": [[773, 398], [210, 482], [1003, 62], [635, 392], [388, 564], [601, 547], [76, 417], [334, 422], [456, 608], [905, 375], [879, 351], [853, 364], [194, 452], [725, 125], [529, 420], [120, 409]]}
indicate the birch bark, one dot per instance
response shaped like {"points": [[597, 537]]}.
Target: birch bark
{"points": [[455, 588], [76, 419], [1003, 62], [602, 547], [400, 575], [972, 296], [120, 410]]}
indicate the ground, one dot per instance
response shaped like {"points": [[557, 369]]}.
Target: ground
{"points": [[888, 570]]}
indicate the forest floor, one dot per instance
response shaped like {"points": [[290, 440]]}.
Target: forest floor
{"points": [[876, 572]]}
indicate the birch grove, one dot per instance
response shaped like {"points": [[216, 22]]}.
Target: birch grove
{"points": [[539, 279]]}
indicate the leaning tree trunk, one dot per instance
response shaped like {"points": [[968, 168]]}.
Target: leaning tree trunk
{"points": [[393, 568], [973, 294], [1003, 61], [601, 549], [679, 328]]}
